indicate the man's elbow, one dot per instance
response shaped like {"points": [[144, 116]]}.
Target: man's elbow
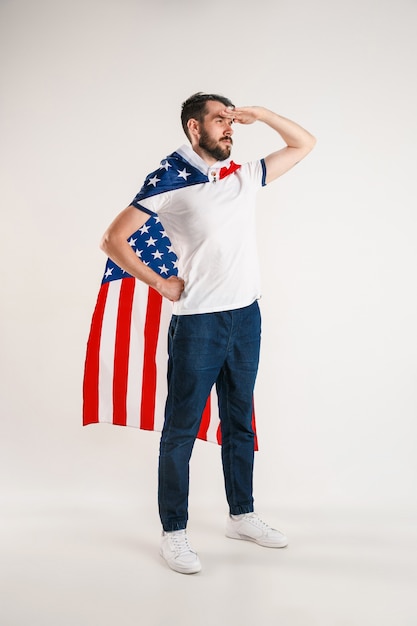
{"points": [[105, 242], [308, 146], [310, 143]]}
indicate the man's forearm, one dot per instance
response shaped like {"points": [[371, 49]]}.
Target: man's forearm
{"points": [[299, 142], [294, 135]]}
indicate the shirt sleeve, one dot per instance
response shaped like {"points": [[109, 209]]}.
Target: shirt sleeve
{"points": [[255, 173], [152, 204]]}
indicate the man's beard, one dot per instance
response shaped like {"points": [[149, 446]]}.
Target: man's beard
{"points": [[213, 148]]}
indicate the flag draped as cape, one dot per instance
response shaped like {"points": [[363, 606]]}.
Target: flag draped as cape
{"points": [[125, 367]]}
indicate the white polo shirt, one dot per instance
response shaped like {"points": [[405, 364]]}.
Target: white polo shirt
{"points": [[211, 226]]}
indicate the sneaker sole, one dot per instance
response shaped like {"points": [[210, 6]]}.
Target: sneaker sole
{"points": [[265, 544], [180, 569]]}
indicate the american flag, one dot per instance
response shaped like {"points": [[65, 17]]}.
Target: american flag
{"points": [[126, 358]]}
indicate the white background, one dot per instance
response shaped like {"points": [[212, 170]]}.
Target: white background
{"points": [[91, 95]]}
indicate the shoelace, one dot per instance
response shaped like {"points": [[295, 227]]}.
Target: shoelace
{"points": [[180, 543], [258, 522]]}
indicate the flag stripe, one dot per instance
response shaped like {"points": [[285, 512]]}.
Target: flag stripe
{"points": [[205, 421], [214, 416], [162, 364], [121, 351], [151, 331], [136, 348], [219, 434], [254, 427], [92, 360], [106, 368]]}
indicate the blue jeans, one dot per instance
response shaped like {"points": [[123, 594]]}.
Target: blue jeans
{"points": [[207, 349]]}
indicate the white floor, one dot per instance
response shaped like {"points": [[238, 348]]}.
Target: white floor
{"points": [[89, 564]]}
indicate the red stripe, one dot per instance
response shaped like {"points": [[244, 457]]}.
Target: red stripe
{"points": [[91, 367], [219, 434], [151, 332], [205, 421], [121, 351], [254, 428]]}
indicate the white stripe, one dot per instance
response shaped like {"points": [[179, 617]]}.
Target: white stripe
{"points": [[136, 353], [161, 364], [214, 416], [106, 362]]}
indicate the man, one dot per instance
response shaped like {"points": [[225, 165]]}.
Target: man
{"points": [[214, 335]]}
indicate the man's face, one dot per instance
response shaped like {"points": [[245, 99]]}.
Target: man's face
{"points": [[216, 132]]}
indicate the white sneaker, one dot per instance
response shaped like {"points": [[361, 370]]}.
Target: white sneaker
{"points": [[250, 527], [178, 553]]}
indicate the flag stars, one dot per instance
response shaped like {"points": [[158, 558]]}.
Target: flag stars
{"points": [[109, 272], [151, 241], [139, 253], [163, 233], [144, 230], [154, 181], [165, 165], [132, 242], [183, 174], [157, 254], [163, 269]]}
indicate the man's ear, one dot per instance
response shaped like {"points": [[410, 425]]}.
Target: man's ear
{"points": [[193, 127]]}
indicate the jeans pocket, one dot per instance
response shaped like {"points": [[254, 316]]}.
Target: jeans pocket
{"points": [[173, 326]]}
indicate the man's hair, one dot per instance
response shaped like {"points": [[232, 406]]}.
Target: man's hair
{"points": [[195, 107]]}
